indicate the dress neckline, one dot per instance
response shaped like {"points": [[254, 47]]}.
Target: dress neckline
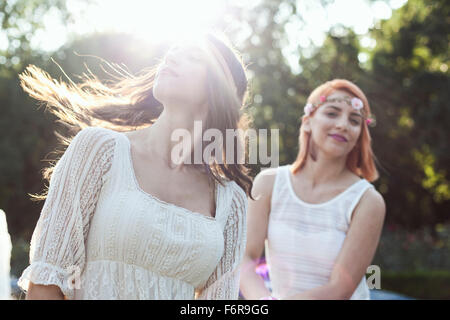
{"points": [[297, 198], [162, 202]]}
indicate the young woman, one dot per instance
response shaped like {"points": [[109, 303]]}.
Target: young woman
{"points": [[321, 217], [122, 219]]}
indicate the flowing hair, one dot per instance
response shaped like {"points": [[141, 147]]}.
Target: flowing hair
{"points": [[127, 103], [361, 158]]}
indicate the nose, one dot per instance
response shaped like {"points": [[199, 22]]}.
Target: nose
{"points": [[342, 123]]}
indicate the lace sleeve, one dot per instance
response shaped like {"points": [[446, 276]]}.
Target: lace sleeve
{"points": [[57, 249], [223, 284]]}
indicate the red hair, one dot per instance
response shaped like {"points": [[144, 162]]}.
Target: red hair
{"points": [[361, 159]]}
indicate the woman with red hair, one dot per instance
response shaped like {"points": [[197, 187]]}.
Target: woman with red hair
{"points": [[321, 216]]}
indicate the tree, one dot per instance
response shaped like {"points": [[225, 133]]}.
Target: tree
{"points": [[410, 69], [24, 132], [405, 80]]}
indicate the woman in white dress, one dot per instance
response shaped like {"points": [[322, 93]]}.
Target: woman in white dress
{"points": [[320, 218], [123, 219]]}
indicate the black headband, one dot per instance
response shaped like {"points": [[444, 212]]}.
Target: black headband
{"points": [[235, 67]]}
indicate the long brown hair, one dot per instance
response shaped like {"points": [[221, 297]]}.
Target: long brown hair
{"points": [[361, 159], [127, 103]]}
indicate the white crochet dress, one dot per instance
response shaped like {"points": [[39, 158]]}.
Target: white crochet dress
{"points": [[99, 236], [304, 239]]}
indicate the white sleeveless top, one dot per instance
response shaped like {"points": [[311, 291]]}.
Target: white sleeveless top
{"points": [[304, 239], [98, 227]]}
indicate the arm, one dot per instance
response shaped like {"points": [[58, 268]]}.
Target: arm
{"points": [[223, 284], [58, 242], [251, 284], [43, 292], [357, 251]]}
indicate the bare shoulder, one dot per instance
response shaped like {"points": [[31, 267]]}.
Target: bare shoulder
{"points": [[263, 183], [372, 204], [137, 134], [351, 178], [135, 137], [130, 134]]}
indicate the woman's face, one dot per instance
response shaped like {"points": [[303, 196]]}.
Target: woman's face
{"points": [[335, 126], [181, 78]]}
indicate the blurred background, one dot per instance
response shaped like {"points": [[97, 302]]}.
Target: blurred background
{"points": [[397, 51]]}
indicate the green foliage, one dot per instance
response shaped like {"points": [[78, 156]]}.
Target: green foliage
{"points": [[20, 21], [400, 250], [410, 68], [419, 285], [26, 135], [20, 257]]}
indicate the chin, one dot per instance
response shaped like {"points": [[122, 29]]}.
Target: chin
{"points": [[162, 92], [335, 152]]}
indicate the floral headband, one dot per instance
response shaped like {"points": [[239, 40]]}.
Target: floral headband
{"points": [[356, 103]]}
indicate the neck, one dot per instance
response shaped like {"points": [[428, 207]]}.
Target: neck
{"points": [[160, 140], [324, 169]]}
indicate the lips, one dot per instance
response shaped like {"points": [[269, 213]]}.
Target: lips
{"points": [[338, 137]]}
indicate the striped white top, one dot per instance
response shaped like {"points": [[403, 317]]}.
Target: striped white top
{"points": [[304, 239]]}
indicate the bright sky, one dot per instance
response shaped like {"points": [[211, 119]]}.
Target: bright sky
{"points": [[155, 20], [152, 19]]}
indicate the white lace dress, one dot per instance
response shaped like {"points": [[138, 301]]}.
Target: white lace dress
{"points": [[99, 236]]}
